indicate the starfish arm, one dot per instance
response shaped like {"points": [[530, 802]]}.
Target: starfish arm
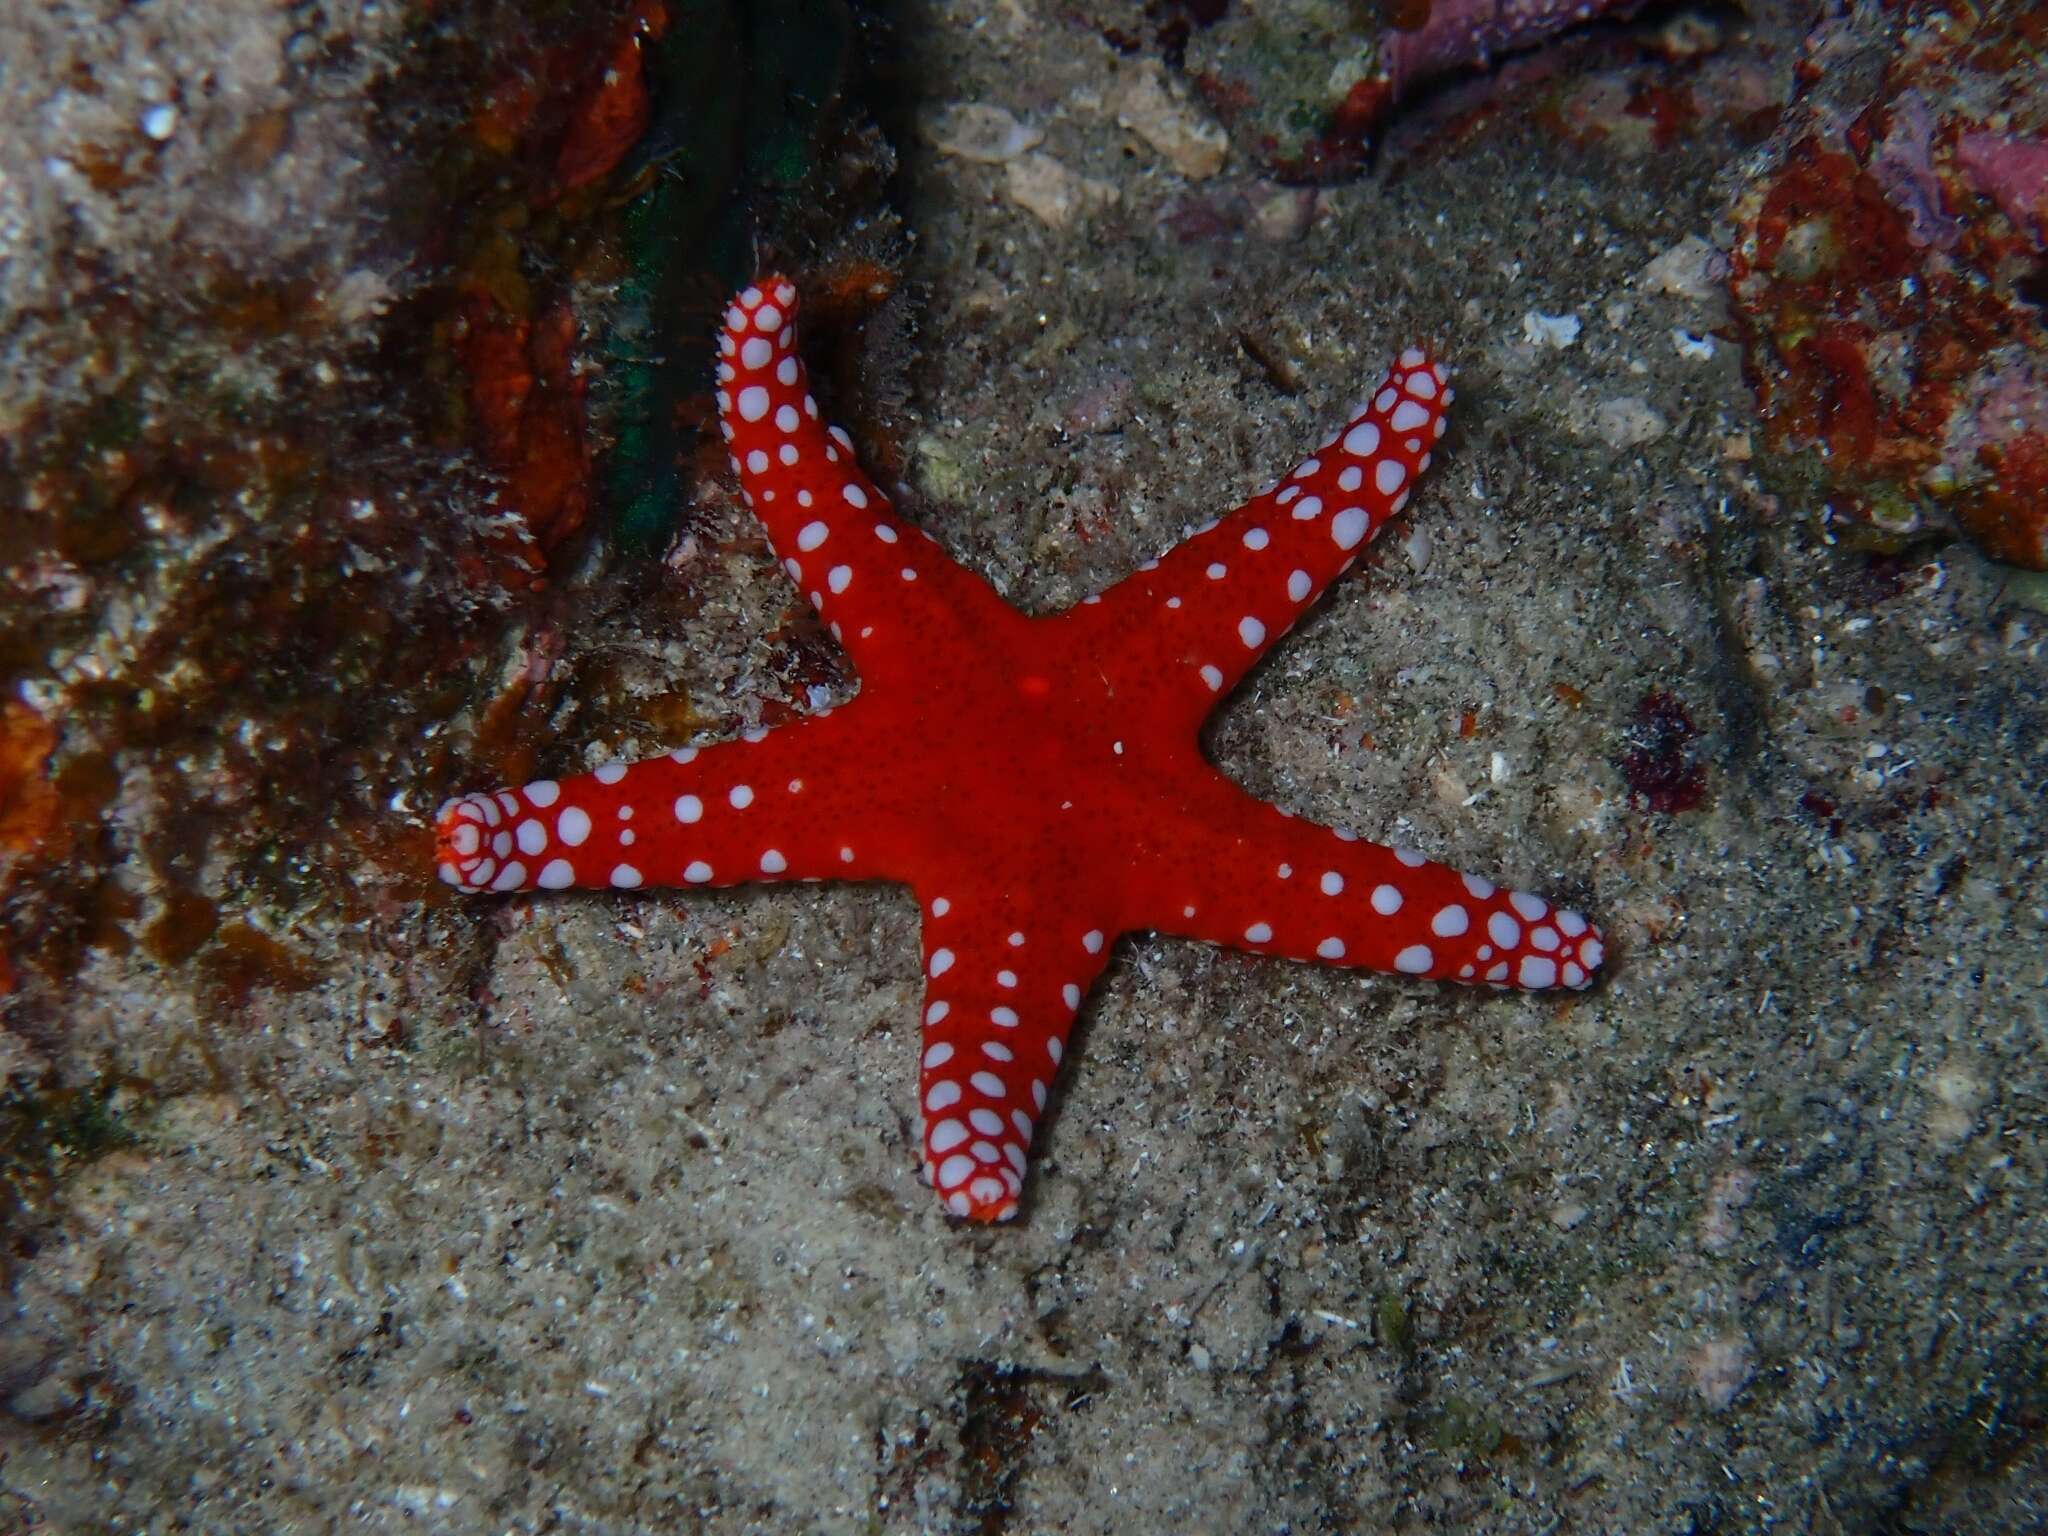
{"points": [[1253, 878], [887, 591], [1004, 979], [1203, 614], [790, 804]]}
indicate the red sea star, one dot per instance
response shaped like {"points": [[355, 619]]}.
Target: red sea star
{"points": [[1037, 781]]}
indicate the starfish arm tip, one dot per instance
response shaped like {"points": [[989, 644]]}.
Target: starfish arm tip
{"points": [[1206, 611], [772, 805], [1258, 880], [838, 538], [1002, 991]]}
